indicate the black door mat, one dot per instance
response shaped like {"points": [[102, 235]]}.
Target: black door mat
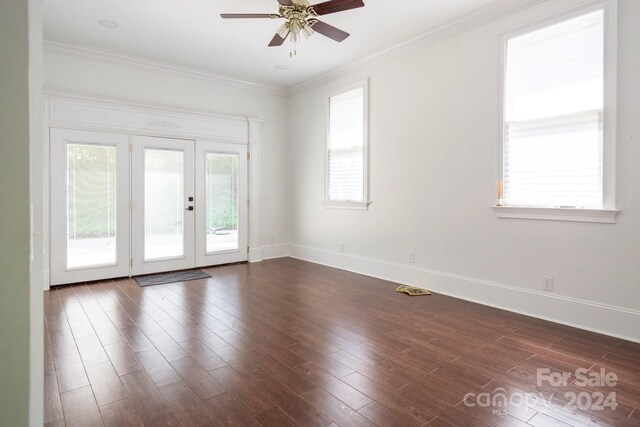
{"points": [[173, 277]]}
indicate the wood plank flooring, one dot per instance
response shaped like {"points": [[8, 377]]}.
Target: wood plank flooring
{"points": [[290, 343]]}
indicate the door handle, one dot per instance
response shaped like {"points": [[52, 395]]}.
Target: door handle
{"points": [[190, 208]]}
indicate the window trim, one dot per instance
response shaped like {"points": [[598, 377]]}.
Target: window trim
{"points": [[608, 211], [605, 216], [335, 91]]}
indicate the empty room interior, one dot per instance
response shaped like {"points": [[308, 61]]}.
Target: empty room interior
{"points": [[320, 213]]}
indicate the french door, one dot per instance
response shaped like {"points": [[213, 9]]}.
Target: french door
{"points": [[162, 205], [222, 211], [89, 206], [129, 205]]}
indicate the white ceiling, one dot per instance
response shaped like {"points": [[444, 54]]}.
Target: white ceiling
{"points": [[191, 34]]}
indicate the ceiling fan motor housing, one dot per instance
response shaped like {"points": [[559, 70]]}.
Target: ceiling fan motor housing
{"points": [[302, 17], [297, 20]]}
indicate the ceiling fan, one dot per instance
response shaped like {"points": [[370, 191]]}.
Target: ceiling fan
{"points": [[301, 18]]}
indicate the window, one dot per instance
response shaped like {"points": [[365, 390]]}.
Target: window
{"points": [[556, 147], [347, 147]]}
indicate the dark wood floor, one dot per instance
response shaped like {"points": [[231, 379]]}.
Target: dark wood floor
{"points": [[285, 342]]}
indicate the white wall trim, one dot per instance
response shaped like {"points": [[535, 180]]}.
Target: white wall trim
{"points": [[482, 16], [610, 10], [604, 216], [255, 224], [280, 250], [592, 316], [336, 91], [255, 254], [96, 113], [130, 104], [74, 111], [90, 53], [334, 204], [37, 189]]}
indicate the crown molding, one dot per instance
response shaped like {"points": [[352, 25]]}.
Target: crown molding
{"points": [[91, 53], [482, 16], [133, 105]]}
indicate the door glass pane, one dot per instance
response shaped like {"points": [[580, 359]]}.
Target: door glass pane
{"points": [[91, 205], [164, 206], [222, 202]]}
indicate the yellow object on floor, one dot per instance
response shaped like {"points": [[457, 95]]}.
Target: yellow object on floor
{"points": [[412, 290]]}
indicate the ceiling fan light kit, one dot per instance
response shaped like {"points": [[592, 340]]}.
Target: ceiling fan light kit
{"points": [[301, 19]]}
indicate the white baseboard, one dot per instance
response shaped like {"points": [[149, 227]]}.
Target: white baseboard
{"points": [[255, 254], [596, 317], [45, 279], [275, 251]]}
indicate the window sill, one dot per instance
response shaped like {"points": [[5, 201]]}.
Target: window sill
{"points": [[606, 216], [363, 206]]}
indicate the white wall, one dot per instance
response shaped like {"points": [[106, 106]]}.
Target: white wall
{"points": [[434, 136], [36, 195], [433, 156], [117, 79], [21, 317]]}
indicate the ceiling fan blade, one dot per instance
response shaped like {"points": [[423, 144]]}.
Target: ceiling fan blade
{"points": [[277, 40], [329, 30], [286, 2], [333, 6], [248, 15]]}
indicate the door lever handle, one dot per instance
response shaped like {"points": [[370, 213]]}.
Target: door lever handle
{"points": [[190, 208]]}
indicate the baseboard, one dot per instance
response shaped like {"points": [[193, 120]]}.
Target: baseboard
{"points": [[255, 254], [275, 251], [45, 279], [592, 316]]}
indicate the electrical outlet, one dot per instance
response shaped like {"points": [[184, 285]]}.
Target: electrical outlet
{"points": [[547, 283], [412, 257], [341, 246]]}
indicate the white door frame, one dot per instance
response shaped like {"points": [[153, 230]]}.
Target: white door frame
{"points": [[59, 139], [78, 111], [241, 253], [138, 264]]}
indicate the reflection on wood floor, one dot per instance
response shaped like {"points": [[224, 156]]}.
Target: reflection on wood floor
{"points": [[286, 342]]}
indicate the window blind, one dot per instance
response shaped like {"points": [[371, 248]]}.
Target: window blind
{"points": [[553, 115], [346, 147]]}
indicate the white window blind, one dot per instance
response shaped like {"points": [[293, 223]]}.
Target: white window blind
{"points": [[553, 115], [346, 147]]}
